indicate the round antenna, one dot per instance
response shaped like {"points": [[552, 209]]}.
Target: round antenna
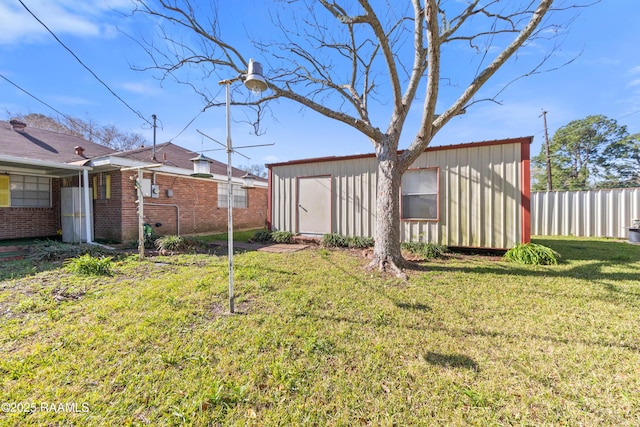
{"points": [[254, 80]]}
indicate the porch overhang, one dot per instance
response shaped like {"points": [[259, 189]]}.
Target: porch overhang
{"points": [[19, 165], [115, 162]]}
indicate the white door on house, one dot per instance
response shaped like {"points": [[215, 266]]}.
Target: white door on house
{"points": [[314, 205]]}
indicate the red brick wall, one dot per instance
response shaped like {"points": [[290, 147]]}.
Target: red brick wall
{"points": [[16, 223], [197, 200], [116, 219], [107, 213]]}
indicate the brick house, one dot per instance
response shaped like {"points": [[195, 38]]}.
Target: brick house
{"points": [[53, 183]]}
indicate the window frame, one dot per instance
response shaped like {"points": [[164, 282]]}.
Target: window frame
{"points": [[437, 195], [222, 196], [14, 194]]}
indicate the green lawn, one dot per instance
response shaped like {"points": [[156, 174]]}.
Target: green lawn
{"points": [[319, 341], [238, 236]]}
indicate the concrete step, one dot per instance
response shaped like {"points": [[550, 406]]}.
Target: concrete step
{"points": [[13, 253]]}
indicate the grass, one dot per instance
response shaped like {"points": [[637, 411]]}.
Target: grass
{"points": [[319, 341], [238, 236]]}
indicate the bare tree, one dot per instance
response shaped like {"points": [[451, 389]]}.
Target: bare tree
{"points": [[109, 135], [344, 58], [255, 170]]}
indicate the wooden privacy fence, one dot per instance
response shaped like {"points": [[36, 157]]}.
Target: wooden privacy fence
{"points": [[593, 213]]}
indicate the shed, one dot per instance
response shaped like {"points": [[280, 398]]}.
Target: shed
{"points": [[466, 195]]}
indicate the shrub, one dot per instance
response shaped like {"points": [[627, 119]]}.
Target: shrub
{"points": [[360, 242], [173, 243], [532, 254], [89, 266], [339, 241], [282, 236], [425, 249], [262, 236], [334, 240]]}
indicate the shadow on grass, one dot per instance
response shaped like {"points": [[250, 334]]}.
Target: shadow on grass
{"points": [[473, 331], [479, 332], [585, 249], [593, 272], [593, 260], [451, 361], [416, 306], [10, 270]]}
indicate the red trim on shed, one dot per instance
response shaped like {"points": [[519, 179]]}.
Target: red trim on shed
{"points": [[520, 140], [269, 201]]}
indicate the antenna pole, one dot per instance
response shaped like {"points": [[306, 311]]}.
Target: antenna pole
{"points": [[153, 156]]}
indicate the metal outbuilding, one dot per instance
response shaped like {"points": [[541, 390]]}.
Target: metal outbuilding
{"points": [[465, 195]]}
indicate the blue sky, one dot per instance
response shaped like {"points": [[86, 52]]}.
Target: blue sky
{"points": [[604, 79]]}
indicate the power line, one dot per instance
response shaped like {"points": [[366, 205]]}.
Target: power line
{"points": [[33, 96], [69, 118], [630, 114], [188, 124], [85, 66]]}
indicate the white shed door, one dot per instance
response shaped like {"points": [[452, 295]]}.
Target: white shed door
{"points": [[314, 205]]}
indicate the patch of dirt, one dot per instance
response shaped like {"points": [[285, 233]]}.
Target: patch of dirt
{"points": [[63, 294], [220, 310]]}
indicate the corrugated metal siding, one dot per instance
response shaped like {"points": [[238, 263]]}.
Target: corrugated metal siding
{"points": [[597, 213], [353, 193], [480, 196]]}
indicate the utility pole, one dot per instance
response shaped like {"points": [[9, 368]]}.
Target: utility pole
{"points": [[153, 157], [546, 145]]}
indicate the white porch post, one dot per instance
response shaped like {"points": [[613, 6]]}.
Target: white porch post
{"points": [[87, 203]]}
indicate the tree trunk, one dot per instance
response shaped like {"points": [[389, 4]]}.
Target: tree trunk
{"points": [[386, 253]]}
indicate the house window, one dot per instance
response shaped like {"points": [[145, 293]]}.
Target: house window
{"points": [[30, 191], [420, 194], [102, 186], [239, 196]]}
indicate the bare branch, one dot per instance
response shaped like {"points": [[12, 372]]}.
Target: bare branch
{"points": [[491, 69], [433, 80]]}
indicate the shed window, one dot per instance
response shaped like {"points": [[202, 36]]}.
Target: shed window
{"points": [[30, 191], [239, 196], [420, 194]]}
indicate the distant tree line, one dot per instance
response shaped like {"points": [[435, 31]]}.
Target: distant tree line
{"points": [[591, 153], [256, 170], [107, 135]]}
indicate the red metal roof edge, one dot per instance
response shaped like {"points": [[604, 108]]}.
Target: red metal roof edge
{"points": [[518, 140]]}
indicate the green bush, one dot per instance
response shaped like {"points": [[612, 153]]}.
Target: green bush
{"points": [[532, 254], [262, 236], [337, 240], [425, 249], [334, 240], [89, 266], [360, 242], [173, 243], [282, 236]]}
